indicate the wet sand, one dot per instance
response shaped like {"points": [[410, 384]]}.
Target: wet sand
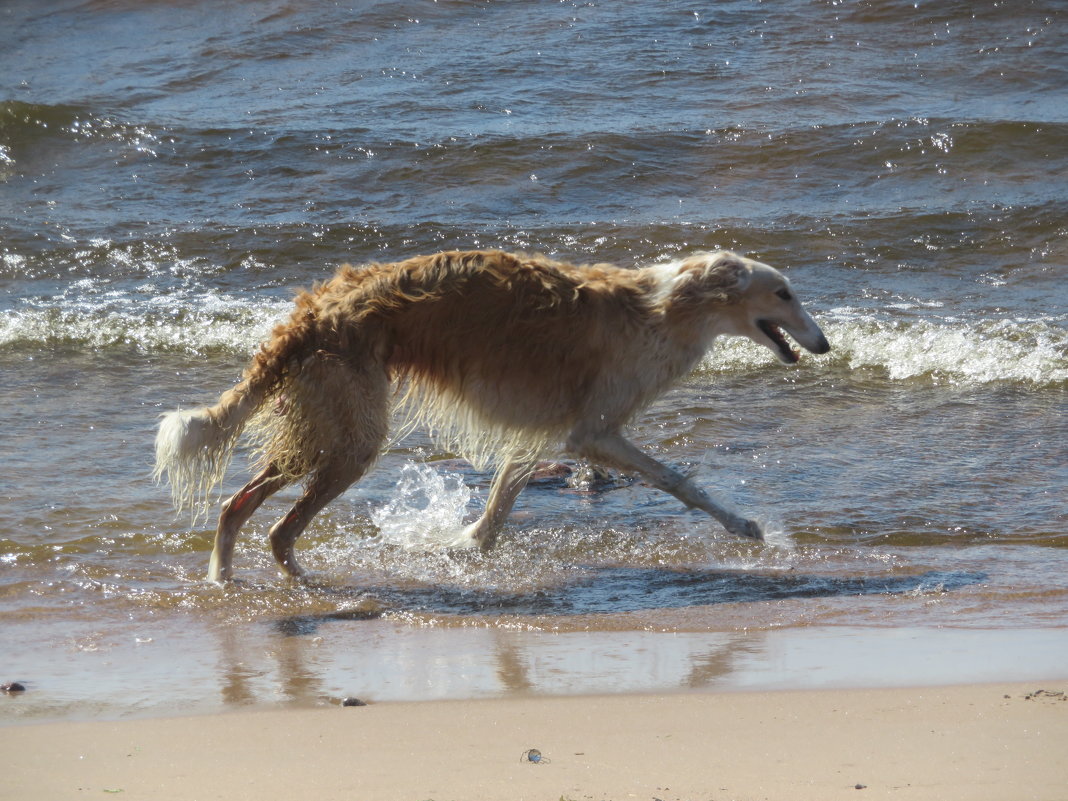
{"points": [[964, 742]]}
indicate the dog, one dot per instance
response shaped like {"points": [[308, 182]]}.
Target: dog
{"points": [[501, 357]]}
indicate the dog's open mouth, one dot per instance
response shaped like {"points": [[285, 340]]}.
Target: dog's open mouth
{"points": [[786, 351]]}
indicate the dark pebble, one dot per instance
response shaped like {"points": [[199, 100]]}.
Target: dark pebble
{"points": [[350, 701], [860, 786], [13, 687]]}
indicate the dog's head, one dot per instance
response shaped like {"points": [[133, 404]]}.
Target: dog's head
{"points": [[752, 300]]}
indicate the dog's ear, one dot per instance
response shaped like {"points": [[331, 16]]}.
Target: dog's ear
{"points": [[705, 278]]}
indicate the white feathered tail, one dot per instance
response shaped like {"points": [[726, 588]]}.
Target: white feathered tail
{"points": [[195, 446], [192, 452]]}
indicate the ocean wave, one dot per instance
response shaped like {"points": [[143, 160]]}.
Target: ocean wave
{"points": [[942, 349], [872, 164], [192, 323], [797, 159], [1029, 352]]}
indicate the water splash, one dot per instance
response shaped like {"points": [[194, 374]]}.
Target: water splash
{"points": [[427, 510], [776, 538]]}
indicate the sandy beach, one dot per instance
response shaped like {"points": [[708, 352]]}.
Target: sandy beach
{"points": [[1004, 741]]}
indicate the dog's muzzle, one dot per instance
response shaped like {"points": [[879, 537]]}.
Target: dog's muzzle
{"points": [[813, 342]]}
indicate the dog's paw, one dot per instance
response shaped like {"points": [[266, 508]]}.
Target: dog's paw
{"points": [[749, 529], [303, 578], [465, 540]]}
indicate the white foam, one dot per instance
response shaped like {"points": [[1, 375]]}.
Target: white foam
{"points": [[166, 322], [965, 352], [776, 537], [955, 350]]}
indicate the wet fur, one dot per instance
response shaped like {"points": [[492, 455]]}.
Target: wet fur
{"points": [[501, 356]]}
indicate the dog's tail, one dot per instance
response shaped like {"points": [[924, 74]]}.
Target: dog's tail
{"points": [[195, 446]]}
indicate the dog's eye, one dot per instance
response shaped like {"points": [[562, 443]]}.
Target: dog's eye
{"points": [[785, 294]]}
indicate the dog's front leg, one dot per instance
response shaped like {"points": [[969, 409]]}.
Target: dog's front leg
{"points": [[615, 450], [509, 481]]}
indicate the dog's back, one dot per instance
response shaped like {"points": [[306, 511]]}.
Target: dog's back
{"points": [[522, 343]]}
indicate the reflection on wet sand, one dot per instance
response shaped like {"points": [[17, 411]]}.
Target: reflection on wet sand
{"points": [[391, 660], [381, 659], [439, 642]]}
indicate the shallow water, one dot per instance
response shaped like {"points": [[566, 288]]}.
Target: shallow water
{"points": [[170, 174]]}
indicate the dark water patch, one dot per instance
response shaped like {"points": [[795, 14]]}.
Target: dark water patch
{"points": [[41, 144], [304, 625], [611, 590], [922, 532], [28, 127], [622, 590]]}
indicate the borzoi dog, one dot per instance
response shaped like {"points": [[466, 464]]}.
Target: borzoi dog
{"points": [[502, 357]]}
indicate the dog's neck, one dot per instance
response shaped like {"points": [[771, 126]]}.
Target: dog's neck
{"points": [[663, 278], [692, 326]]}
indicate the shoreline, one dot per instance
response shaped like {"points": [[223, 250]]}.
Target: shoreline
{"points": [[193, 665], [974, 742]]}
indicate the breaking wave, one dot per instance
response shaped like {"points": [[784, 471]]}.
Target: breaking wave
{"points": [[1027, 351], [1031, 352]]}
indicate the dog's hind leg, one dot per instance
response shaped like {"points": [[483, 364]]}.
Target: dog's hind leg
{"points": [[235, 513], [328, 483], [508, 482], [615, 450], [350, 415]]}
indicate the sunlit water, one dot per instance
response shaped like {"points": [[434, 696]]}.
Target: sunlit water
{"points": [[171, 175]]}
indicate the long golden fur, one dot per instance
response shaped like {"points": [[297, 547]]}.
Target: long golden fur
{"points": [[501, 356]]}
